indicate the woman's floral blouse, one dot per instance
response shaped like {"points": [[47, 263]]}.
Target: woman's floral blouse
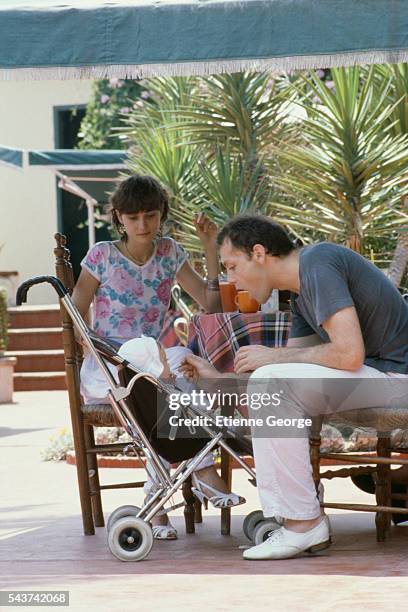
{"points": [[132, 300]]}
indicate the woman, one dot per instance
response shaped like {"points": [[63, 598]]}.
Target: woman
{"points": [[129, 281]]}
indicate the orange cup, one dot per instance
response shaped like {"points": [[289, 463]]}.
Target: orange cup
{"points": [[245, 302], [228, 293]]}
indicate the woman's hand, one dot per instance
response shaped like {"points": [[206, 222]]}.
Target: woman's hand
{"points": [[206, 230], [195, 368], [190, 280]]}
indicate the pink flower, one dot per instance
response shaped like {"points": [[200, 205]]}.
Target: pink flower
{"points": [[125, 328], [103, 307], [145, 95], [138, 289], [104, 99], [125, 110], [95, 257], [129, 313], [151, 315], [163, 291], [122, 281], [163, 248]]}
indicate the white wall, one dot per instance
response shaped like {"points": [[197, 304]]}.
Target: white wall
{"points": [[28, 199]]}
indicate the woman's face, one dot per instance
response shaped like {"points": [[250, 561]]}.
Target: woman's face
{"points": [[141, 226]]}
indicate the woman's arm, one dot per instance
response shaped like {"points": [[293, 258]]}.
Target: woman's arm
{"points": [[84, 292], [207, 232], [190, 280], [196, 287]]}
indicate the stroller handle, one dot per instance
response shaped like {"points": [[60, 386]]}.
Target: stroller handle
{"points": [[21, 296]]}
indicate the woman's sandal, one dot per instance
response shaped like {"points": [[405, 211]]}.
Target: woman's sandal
{"points": [[219, 499], [366, 483], [164, 532]]}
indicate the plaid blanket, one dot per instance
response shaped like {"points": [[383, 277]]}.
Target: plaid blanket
{"points": [[168, 336], [217, 337]]}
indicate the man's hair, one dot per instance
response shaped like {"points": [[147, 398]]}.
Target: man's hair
{"points": [[244, 231]]}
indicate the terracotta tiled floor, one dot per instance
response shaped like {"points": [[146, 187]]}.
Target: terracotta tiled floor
{"points": [[42, 546]]}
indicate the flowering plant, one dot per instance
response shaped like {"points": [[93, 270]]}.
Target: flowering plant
{"points": [[62, 444], [111, 101]]}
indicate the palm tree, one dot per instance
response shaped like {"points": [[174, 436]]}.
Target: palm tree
{"points": [[205, 139], [347, 174], [243, 109], [397, 74]]}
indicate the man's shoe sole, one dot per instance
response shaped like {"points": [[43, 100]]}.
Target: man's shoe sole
{"points": [[318, 547]]}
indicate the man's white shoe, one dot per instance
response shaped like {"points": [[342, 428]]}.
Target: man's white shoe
{"points": [[284, 544]]}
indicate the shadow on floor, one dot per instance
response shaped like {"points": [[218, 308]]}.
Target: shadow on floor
{"points": [[56, 546], [9, 431]]}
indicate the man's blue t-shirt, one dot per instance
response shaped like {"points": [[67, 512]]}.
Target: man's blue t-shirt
{"points": [[333, 277]]}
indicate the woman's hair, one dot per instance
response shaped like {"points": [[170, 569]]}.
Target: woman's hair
{"points": [[138, 194], [244, 231]]}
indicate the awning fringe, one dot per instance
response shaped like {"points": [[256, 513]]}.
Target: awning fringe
{"points": [[276, 64]]}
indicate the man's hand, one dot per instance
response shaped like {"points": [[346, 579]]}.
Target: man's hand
{"points": [[249, 358], [345, 351], [195, 368]]}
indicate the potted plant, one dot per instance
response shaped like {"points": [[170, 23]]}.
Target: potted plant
{"points": [[6, 363]]}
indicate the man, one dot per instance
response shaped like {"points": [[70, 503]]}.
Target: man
{"points": [[348, 322]]}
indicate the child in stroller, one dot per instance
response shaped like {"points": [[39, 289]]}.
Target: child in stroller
{"points": [[148, 355]]}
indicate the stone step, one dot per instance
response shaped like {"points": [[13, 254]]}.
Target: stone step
{"points": [[34, 316], [39, 381], [29, 339], [51, 360]]}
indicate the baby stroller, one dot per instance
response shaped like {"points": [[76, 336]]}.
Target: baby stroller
{"points": [[140, 403]]}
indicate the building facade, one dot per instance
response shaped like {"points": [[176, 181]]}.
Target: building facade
{"points": [[29, 216]]}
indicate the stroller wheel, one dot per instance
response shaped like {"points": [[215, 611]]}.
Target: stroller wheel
{"points": [[120, 513], [130, 539], [263, 529], [251, 521]]}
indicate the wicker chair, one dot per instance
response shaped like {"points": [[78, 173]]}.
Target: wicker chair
{"points": [[384, 421], [85, 417]]}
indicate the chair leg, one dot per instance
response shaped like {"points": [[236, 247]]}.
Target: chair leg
{"points": [[83, 478], [93, 472], [189, 508], [315, 441], [383, 491], [71, 368], [198, 515], [226, 475]]}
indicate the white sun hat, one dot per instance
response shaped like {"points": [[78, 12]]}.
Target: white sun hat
{"points": [[143, 353]]}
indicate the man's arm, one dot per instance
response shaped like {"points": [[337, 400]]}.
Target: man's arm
{"points": [[304, 341], [345, 351]]}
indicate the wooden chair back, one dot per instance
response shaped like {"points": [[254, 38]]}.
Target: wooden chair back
{"points": [[73, 358]]}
